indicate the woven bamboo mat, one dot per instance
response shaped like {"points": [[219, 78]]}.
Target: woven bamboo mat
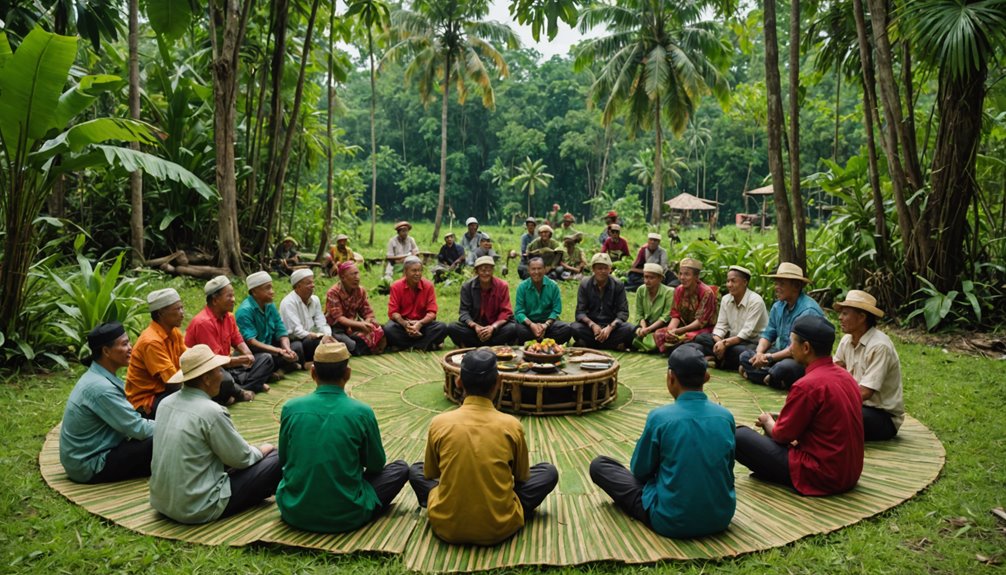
{"points": [[577, 523]]}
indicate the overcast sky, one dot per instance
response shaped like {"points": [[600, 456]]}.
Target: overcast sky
{"points": [[559, 46]]}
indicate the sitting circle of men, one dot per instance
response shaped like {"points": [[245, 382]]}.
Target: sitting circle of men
{"points": [[169, 419]]}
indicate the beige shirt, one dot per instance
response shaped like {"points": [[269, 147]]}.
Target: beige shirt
{"points": [[875, 364], [745, 320]]}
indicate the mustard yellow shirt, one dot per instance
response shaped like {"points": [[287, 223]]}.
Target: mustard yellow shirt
{"points": [[477, 453]]}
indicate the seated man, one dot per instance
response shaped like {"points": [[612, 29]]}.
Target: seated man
{"points": [[486, 248], [155, 356], [650, 253], [602, 309], [680, 482], [546, 248], [610, 218], [334, 474], [615, 246], [525, 240], [195, 444], [401, 246], [484, 316], [822, 415], [742, 318], [537, 307], [653, 307], [301, 313], [412, 311], [246, 373], [771, 362], [286, 258], [475, 480], [350, 315], [693, 311], [337, 253], [470, 240], [869, 355], [572, 262], [263, 328], [103, 439], [450, 259]]}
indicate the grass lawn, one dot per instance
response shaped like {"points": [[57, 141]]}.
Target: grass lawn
{"points": [[947, 529]]}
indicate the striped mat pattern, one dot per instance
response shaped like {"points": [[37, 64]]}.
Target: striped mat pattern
{"points": [[577, 523]]}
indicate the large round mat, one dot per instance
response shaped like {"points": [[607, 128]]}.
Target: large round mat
{"points": [[577, 523]]}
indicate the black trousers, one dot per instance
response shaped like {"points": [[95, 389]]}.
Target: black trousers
{"points": [[767, 459], [877, 424], [253, 484], [619, 483], [783, 374], [310, 344], [354, 345], [128, 460], [542, 481], [433, 335], [464, 336], [559, 331], [249, 378], [620, 338], [168, 390], [731, 357], [388, 482]]}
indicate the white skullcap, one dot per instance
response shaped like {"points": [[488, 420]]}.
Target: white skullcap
{"points": [[216, 284], [257, 279], [300, 274], [162, 298]]}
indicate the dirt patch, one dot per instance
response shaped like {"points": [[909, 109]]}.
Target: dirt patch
{"points": [[978, 344]]}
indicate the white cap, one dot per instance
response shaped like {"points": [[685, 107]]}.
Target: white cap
{"points": [[484, 261], [162, 298], [655, 269], [216, 284], [409, 260], [485, 236], [258, 279], [471, 221], [653, 236], [300, 274]]}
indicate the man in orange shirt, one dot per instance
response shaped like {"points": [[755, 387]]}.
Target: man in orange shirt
{"points": [[155, 356]]}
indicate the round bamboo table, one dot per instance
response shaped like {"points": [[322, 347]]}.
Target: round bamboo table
{"points": [[568, 390]]}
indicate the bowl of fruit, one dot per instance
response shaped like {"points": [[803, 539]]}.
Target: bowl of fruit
{"points": [[544, 351]]}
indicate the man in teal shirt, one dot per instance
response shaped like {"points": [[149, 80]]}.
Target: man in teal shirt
{"points": [[334, 477], [262, 327], [538, 305], [681, 482]]}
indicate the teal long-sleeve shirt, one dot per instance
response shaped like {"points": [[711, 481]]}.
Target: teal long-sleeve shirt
{"points": [[262, 324], [537, 306]]}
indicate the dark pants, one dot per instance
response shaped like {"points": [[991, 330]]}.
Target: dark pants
{"points": [[250, 378], [127, 460], [731, 356], [354, 345], [464, 336], [633, 281], [559, 331], [877, 424], [541, 481], [620, 338], [522, 271], [310, 344], [767, 459], [388, 482], [783, 374], [433, 334], [253, 484], [280, 362], [623, 487], [168, 390]]}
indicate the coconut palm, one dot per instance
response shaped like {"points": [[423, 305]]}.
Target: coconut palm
{"points": [[531, 175], [642, 168], [658, 60]]}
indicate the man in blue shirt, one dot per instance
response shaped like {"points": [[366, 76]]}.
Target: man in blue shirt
{"points": [[103, 439], [681, 479], [772, 362], [525, 240]]}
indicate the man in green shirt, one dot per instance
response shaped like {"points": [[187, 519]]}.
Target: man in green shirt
{"points": [[334, 477], [538, 306], [546, 248], [653, 307], [262, 327]]}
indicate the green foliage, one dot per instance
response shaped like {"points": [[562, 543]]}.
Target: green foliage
{"points": [[962, 308]]}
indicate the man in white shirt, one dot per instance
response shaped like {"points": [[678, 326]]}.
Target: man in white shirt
{"points": [[742, 318], [302, 316], [400, 246], [870, 357]]}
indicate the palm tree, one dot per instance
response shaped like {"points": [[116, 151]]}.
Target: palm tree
{"points": [[530, 176], [642, 168], [659, 58], [448, 42]]}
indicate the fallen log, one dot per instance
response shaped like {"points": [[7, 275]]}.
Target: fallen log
{"points": [[201, 272]]}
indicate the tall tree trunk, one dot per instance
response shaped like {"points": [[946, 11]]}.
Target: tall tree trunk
{"points": [[263, 203], [838, 112], [254, 148], [373, 137], [136, 177], [913, 168], [326, 230], [443, 151], [773, 92], [658, 168], [799, 214]]}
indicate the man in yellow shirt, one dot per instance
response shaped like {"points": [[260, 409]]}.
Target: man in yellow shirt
{"points": [[476, 481]]}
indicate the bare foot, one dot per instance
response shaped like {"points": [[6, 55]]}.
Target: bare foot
{"points": [[265, 388], [247, 395]]}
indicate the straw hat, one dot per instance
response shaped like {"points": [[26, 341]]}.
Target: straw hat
{"points": [[341, 237], [196, 361], [615, 228], [484, 261], [331, 353], [162, 298], [600, 258], [655, 269], [653, 236], [530, 220], [544, 228], [860, 300], [290, 239], [573, 238], [788, 271], [402, 224], [690, 263], [449, 235]]}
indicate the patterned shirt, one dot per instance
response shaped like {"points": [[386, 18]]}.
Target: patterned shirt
{"points": [[340, 302], [697, 304]]}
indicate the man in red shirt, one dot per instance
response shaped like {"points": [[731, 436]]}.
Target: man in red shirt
{"points": [[822, 414], [215, 326], [412, 311], [485, 316], [615, 246]]}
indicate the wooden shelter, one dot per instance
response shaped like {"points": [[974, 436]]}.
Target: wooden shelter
{"points": [[764, 192]]}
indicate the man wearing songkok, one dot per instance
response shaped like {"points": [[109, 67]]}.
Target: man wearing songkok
{"points": [[400, 246], [609, 218], [451, 258], [537, 307], [155, 356], [742, 319], [525, 240], [470, 240], [573, 262], [602, 309], [484, 316], [693, 311], [650, 253], [486, 248], [286, 258], [680, 482], [202, 468], [246, 374], [771, 362], [102, 438], [822, 415], [301, 313], [476, 480], [546, 248], [334, 473], [349, 313], [263, 328], [869, 355], [412, 311], [653, 307], [615, 246], [337, 253]]}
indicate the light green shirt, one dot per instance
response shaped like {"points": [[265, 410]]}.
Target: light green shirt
{"points": [[538, 306], [657, 308]]}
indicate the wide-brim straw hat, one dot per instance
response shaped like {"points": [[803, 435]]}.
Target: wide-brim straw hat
{"points": [[341, 237], [484, 261], [860, 300], [788, 271], [196, 361], [573, 238], [403, 224]]}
